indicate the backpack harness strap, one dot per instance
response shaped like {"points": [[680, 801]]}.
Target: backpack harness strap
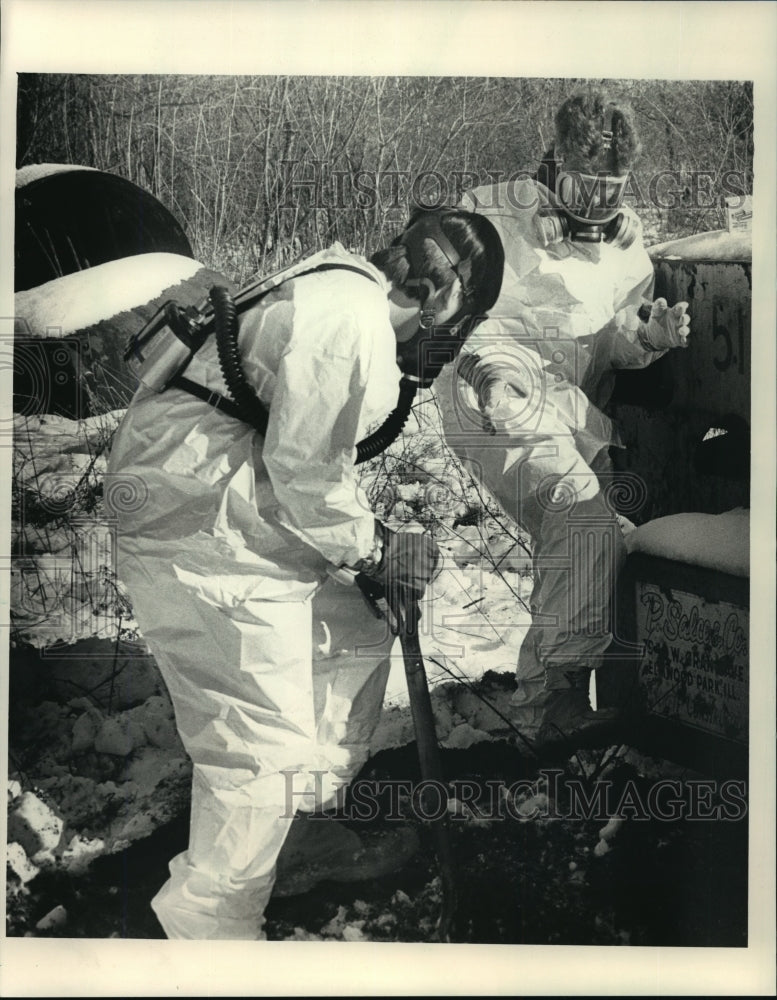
{"points": [[244, 300]]}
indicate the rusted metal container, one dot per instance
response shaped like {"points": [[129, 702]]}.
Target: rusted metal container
{"points": [[686, 424], [666, 411]]}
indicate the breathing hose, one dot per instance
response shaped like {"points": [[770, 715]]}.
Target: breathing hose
{"points": [[391, 427], [253, 410], [251, 407]]}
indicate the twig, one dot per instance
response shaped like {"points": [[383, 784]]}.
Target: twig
{"points": [[470, 686]]}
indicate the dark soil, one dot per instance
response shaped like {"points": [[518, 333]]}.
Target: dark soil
{"points": [[520, 879]]}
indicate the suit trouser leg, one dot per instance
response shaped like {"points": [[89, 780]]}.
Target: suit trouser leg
{"points": [[576, 555], [261, 742]]}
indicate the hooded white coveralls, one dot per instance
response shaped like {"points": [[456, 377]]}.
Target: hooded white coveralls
{"points": [[565, 321], [222, 554]]}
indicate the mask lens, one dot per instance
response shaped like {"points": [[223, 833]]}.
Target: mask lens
{"points": [[590, 197]]}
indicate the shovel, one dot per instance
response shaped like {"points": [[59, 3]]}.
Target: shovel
{"points": [[403, 616]]}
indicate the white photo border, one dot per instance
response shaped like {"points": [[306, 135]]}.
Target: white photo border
{"points": [[680, 40]]}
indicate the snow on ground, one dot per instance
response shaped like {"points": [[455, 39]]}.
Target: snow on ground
{"points": [[473, 618], [63, 587], [473, 623], [113, 767], [52, 452], [76, 301], [95, 759], [476, 611], [96, 762]]}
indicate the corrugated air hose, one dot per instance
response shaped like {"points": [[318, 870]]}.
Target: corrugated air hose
{"points": [[251, 407], [253, 410]]}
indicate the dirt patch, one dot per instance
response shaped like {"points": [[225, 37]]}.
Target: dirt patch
{"points": [[530, 868]]}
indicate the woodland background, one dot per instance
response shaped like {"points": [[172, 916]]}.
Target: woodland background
{"points": [[260, 170]]}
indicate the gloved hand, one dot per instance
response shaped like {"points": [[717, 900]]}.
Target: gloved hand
{"points": [[407, 565], [666, 328]]}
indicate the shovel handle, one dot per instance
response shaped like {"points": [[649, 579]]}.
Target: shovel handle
{"points": [[428, 756]]}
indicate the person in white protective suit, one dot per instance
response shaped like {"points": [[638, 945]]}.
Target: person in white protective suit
{"points": [[523, 406], [235, 532]]}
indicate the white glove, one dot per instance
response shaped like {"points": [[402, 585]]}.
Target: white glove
{"points": [[666, 327]]}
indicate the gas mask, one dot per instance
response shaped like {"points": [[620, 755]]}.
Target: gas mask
{"points": [[434, 345], [589, 212], [589, 205]]}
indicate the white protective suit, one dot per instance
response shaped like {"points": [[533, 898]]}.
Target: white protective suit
{"points": [[222, 555], [527, 417]]}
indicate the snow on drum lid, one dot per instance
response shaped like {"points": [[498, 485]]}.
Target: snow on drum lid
{"points": [[36, 171], [82, 299], [717, 245], [719, 542], [71, 333]]}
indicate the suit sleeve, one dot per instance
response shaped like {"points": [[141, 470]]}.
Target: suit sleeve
{"points": [[620, 338]]}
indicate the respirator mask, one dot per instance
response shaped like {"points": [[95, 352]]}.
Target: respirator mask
{"points": [[589, 206], [434, 345]]}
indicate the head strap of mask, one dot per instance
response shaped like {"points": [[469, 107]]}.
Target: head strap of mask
{"points": [[607, 133], [590, 209], [423, 356], [428, 227]]}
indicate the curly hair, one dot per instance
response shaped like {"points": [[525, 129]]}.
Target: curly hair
{"points": [[580, 122]]}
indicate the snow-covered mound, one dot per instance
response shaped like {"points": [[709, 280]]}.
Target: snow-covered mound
{"points": [[107, 777]]}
